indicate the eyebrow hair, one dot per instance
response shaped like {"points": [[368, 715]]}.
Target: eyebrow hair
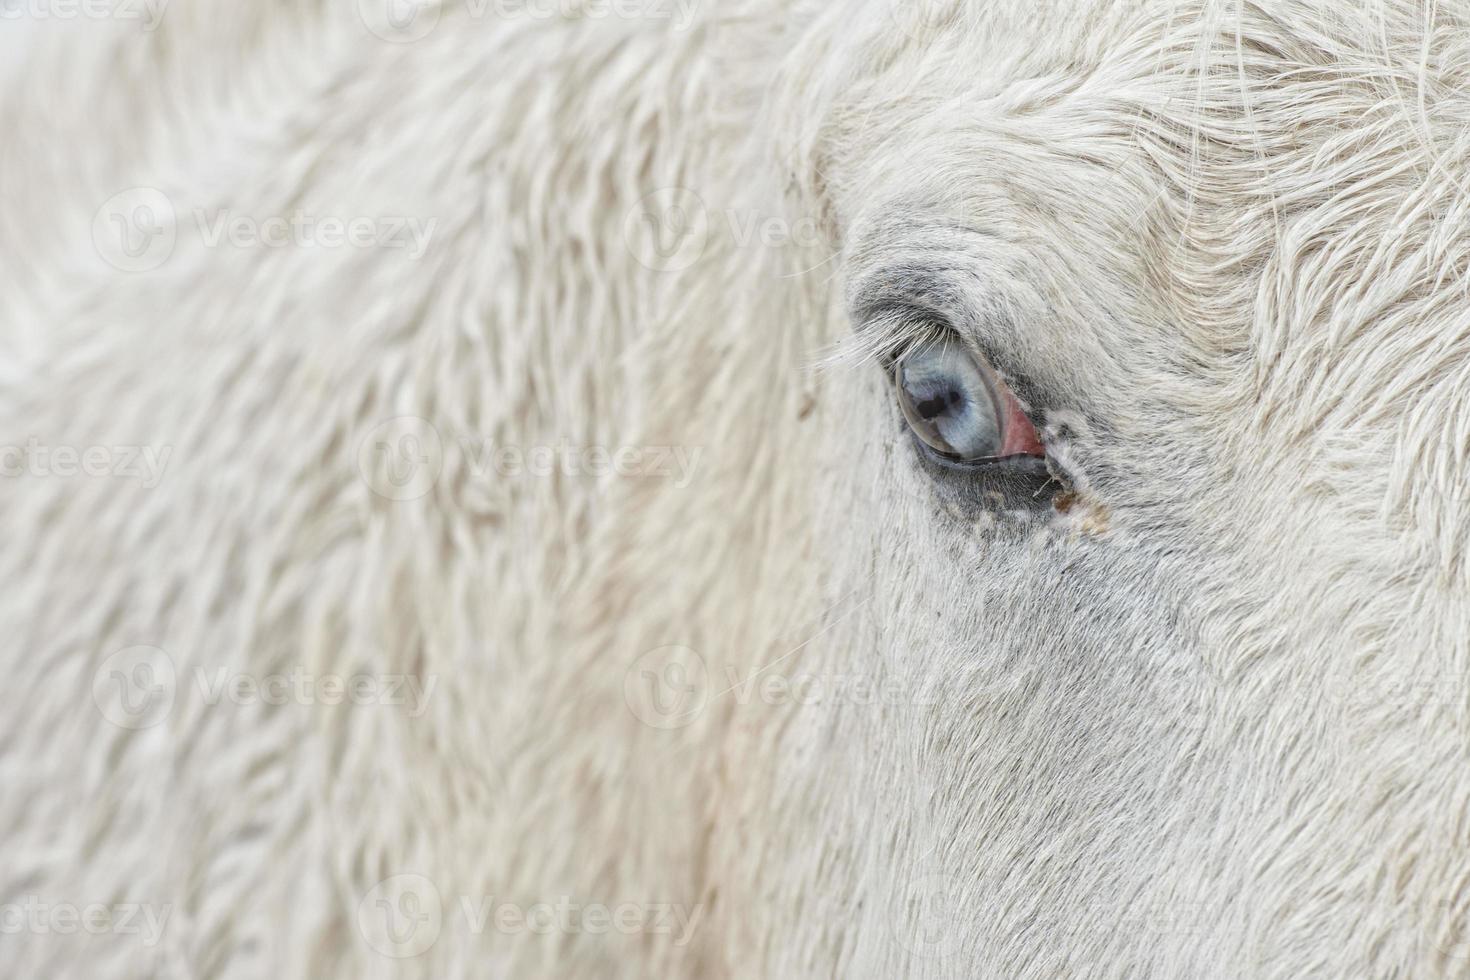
{"points": [[912, 289]]}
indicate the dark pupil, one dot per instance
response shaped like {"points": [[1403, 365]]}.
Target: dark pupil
{"points": [[940, 403]]}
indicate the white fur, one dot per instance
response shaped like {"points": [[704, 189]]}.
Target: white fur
{"points": [[1210, 721]]}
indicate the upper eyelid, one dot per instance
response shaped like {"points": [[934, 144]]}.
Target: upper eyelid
{"points": [[898, 306], [896, 318], [905, 289], [899, 323]]}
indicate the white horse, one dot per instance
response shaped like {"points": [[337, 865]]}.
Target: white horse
{"points": [[648, 488]]}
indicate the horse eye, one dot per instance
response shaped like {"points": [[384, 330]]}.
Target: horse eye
{"points": [[960, 408]]}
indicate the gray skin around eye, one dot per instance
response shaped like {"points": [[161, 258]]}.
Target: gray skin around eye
{"points": [[946, 399]]}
